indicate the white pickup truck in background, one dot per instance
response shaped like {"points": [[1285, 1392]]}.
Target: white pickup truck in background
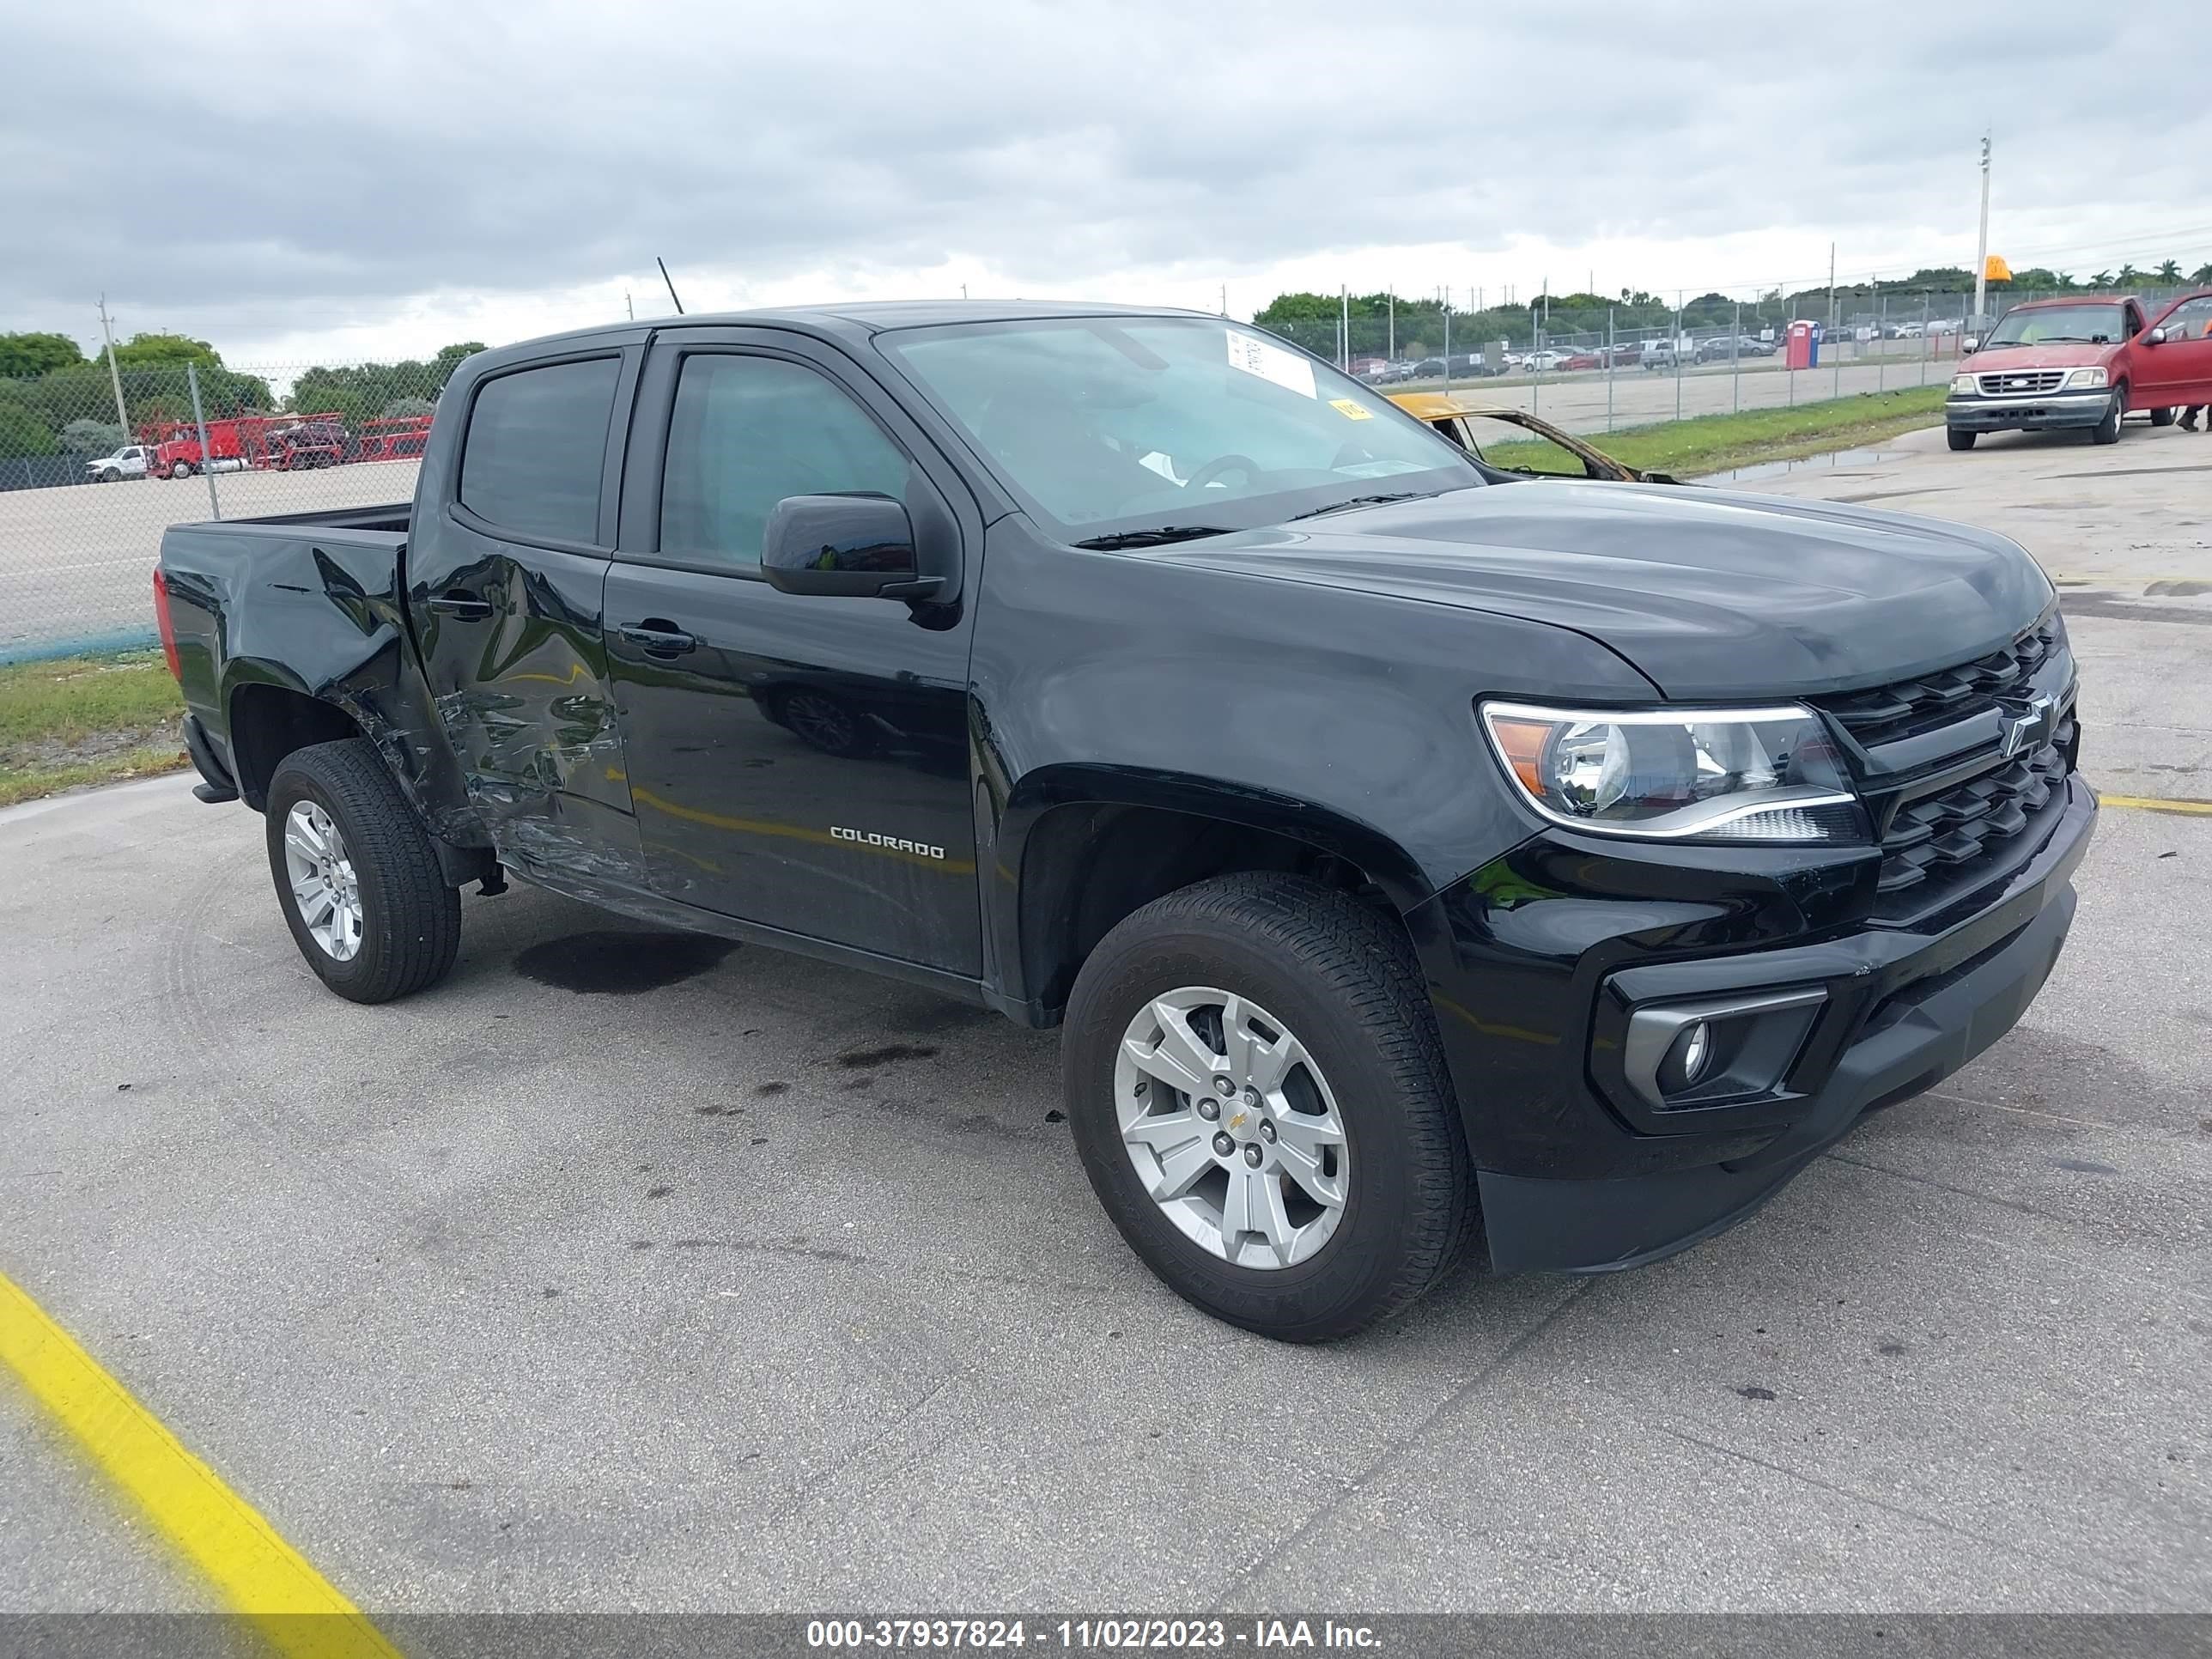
{"points": [[128, 462]]}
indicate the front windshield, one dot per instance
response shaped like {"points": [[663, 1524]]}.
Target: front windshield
{"points": [[1108, 425], [2084, 322]]}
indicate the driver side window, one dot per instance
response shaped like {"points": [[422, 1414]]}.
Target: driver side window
{"points": [[746, 432], [2191, 320]]}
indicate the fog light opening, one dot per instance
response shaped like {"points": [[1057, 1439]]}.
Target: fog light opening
{"points": [[1687, 1057]]}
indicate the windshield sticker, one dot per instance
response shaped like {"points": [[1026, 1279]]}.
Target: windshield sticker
{"points": [[1271, 362], [1351, 409]]}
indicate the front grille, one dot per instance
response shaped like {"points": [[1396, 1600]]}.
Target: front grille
{"points": [[2021, 381], [1909, 708], [1938, 844]]}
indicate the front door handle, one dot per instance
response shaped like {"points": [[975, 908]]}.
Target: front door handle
{"points": [[460, 604], [657, 637]]}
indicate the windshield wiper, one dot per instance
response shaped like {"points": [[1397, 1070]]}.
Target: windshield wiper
{"points": [[1159, 537], [1365, 500]]}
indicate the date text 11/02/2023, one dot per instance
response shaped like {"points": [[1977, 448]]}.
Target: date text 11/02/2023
{"points": [[1088, 1635]]}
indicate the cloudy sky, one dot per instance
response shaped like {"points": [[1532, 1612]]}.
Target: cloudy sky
{"points": [[330, 182]]}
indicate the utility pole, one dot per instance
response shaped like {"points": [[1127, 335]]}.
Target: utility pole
{"points": [[1982, 243], [1344, 300], [1832, 288], [1391, 350], [115, 376], [627, 306], [1224, 298]]}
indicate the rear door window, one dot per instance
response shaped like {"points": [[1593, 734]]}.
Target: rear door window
{"points": [[536, 443]]}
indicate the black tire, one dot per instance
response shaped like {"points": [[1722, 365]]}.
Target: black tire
{"points": [[2107, 431], [2161, 416], [1959, 440], [181, 470], [1343, 979], [410, 918]]}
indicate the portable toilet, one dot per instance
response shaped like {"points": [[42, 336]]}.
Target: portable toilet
{"points": [[1801, 348]]}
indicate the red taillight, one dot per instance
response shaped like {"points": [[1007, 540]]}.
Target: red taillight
{"points": [[168, 628]]}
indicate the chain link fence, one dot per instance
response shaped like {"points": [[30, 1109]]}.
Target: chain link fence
{"points": [[95, 464]]}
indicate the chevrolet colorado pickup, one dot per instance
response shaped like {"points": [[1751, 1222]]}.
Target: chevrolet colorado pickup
{"points": [[2081, 364], [1414, 858]]}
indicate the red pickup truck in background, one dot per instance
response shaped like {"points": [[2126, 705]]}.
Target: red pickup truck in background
{"points": [[2083, 363]]}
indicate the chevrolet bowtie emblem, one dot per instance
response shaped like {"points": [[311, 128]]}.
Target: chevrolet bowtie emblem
{"points": [[1237, 1121], [2027, 733]]}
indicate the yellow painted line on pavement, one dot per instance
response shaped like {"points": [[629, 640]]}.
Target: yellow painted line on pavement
{"points": [[263, 1579], [2158, 804]]}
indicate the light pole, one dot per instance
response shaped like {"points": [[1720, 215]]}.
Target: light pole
{"points": [[1982, 243]]}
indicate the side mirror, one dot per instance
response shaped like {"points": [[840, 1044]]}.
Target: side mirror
{"points": [[842, 546], [2156, 337], [1969, 346]]}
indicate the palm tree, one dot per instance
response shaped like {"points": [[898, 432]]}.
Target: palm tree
{"points": [[2102, 279], [2066, 279], [2128, 275], [2170, 272], [2202, 273]]}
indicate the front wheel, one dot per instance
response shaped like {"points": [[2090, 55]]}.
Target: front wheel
{"points": [[1959, 440], [2107, 431], [1259, 1094], [356, 878]]}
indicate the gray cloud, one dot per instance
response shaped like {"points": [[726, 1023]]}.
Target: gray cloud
{"points": [[322, 172]]}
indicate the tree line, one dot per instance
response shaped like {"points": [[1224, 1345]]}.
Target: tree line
{"points": [[55, 400], [1415, 324]]}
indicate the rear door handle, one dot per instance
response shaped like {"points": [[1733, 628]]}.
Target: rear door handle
{"points": [[657, 637], [461, 604]]}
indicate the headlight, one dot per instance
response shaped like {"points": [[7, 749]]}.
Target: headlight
{"points": [[1963, 384], [2086, 377], [1770, 775]]}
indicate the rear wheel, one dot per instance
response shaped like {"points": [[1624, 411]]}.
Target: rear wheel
{"points": [[2162, 417], [356, 876], [1959, 440], [180, 469], [2107, 431], [1259, 1095]]}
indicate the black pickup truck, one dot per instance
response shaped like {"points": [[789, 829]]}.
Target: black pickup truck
{"points": [[1413, 857]]}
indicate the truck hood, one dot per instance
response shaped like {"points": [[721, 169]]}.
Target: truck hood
{"points": [[2064, 353], [1706, 594]]}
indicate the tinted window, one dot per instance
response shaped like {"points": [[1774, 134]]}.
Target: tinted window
{"points": [[536, 442], [748, 431]]}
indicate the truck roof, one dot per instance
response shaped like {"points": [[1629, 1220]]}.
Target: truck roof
{"points": [[857, 317], [2075, 299]]}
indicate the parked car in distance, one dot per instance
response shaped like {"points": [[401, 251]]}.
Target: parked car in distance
{"points": [[2082, 363], [1657, 354], [1544, 360], [1574, 360], [1429, 369], [1408, 859], [128, 462]]}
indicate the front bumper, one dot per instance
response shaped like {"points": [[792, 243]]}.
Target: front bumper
{"points": [[2044, 412], [1524, 958]]}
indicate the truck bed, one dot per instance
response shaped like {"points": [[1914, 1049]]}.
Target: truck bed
{"points": [[309, 604]]}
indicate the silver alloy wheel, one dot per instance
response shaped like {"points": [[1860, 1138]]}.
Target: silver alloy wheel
{"points": [[1231, 1127], [324, 885]]}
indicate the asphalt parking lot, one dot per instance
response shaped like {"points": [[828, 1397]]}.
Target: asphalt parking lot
{"points": [[775, 1286]]}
